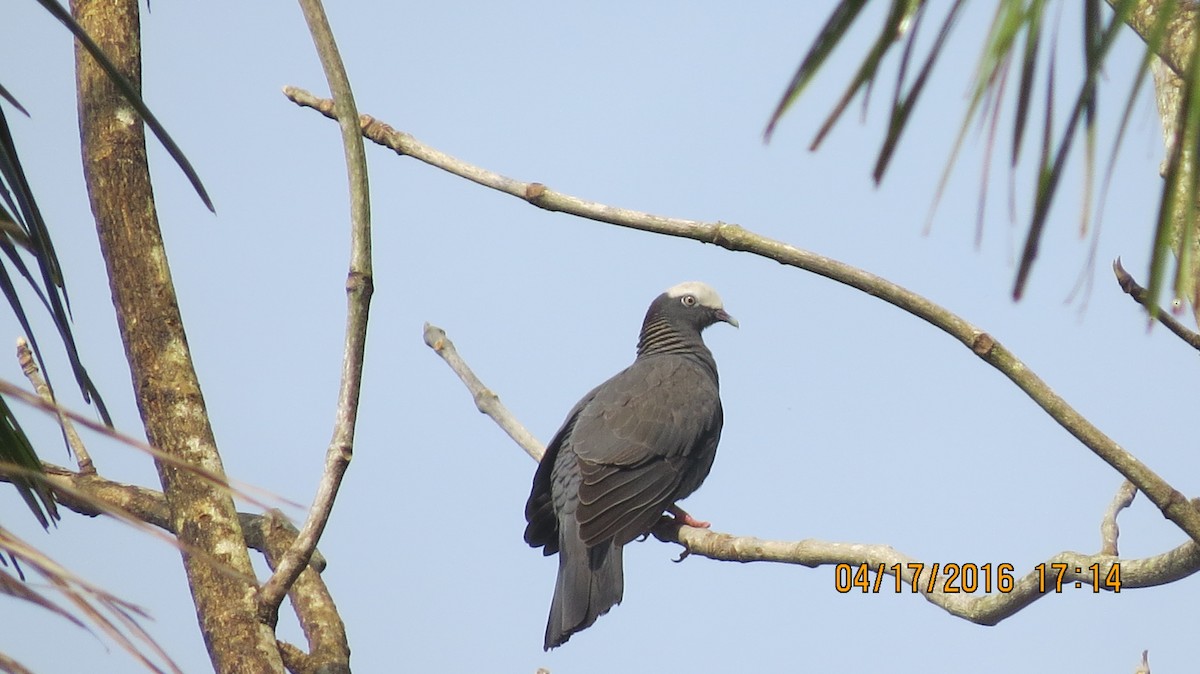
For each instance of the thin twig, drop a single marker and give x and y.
(34, 375)
(735, 238)
(1142, 297)
(241, 489)
(140, 507)
(1109, 531)
(359, 287)
(145, 510)
(485, 399)
(1009, 594)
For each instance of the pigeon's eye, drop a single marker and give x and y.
(688, 301)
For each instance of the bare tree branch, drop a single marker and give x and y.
(144, 509)
(87, 493)
(261, 528)
(270, 534)
(1109, 531)
(328, 645)
(1168, 567)
(242, 489)
(735, 238)
(92, 495)
(987, 609)
(359, 287)
(486, 400)
(1142, 297)
(1176, 49)
(34, 375)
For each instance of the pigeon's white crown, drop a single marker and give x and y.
(701, 291)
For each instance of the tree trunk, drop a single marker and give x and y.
(1173, 56)
(168, 393)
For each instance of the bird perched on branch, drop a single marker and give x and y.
(627, 451)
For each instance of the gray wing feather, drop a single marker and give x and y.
(644, 439)
(542, 528)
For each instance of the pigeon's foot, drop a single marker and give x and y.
(683, 517)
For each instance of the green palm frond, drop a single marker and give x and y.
(15, 450)
(12, 101)
(22, 226)
(131, 95)
(1018, 32)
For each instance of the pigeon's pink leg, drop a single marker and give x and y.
(683, 518)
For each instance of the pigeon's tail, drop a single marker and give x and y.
(590, 582)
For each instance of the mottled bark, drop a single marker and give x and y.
(1174, 54)
(1168, 87)
(328, 647)
(165, 384)
(1177, 44)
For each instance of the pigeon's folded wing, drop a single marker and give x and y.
(639, 438)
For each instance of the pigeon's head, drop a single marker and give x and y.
(692, 303)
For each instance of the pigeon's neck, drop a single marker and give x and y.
(660, 336)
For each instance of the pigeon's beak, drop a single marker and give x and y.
(722, 316)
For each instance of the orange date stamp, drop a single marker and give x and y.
(949, 578)
(969, 578)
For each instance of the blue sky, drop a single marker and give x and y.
(846, 419)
